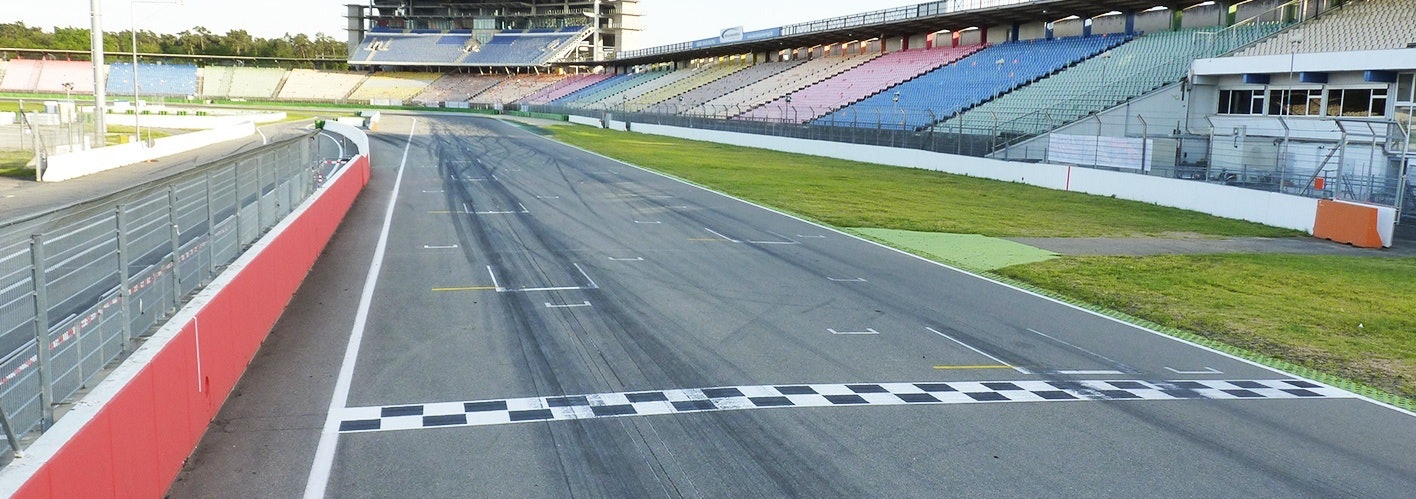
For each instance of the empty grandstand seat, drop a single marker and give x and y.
(255, 83)
(456, 87)
(309, 84)
(153, 79)
(392, 86)
(1129, 70)
(21, 75)
(53, 75)
(564, 87)
(1357, 25)
(781, 84)
(984, 75)
(515, 87)
(857, 83)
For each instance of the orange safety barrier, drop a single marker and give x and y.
(1356, 224)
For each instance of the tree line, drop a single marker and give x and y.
(197, 41)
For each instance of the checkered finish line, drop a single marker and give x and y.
(648, 403)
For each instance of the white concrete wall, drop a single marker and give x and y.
(192, 122)
(77, 164)
(1278, 210)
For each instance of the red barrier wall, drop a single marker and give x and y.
(135, 444)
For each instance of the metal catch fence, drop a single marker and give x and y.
(76, 285)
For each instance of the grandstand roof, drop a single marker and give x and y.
(901, 21)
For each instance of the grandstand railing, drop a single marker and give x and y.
(79, 284)
(929, 9)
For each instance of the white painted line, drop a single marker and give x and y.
(548, 197)
(1083, 350)
(523, 208)
(812, 237)
(966, 273)
(977, 351)
(470, 179)
(587, 277)
(572, 305)
(728, 239)
(1090, 372)
(498, 212)
(647, 223)
(868, 331)
(323, 464)
(535, 290)
(439, 191)
(784, 243)
(466, 208)
(494, 278)
(450, 246)
(1207, 370)
(856, 279)
(637, 259)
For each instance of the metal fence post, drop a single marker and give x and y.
(211, 232)
(176, 237)
(41, 331)
(236, 188)
(125, 291)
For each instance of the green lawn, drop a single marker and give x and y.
(1347, 316)
(12, 164)
(1350, 316)
(851, 194)
(31, 106)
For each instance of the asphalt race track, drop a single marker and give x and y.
(545, 322)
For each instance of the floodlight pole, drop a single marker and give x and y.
(133, 30)
(100, 98)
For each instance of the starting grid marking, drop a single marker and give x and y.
(648, 403)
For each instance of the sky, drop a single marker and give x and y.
(667, 21)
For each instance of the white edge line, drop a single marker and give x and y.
(977, 351)
(979, 277)
(323, 464)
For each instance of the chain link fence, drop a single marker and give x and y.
(1362, 160)
(78, 284)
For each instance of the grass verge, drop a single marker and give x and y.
(1296, 313)
(1349, 316)
(12, 164)
(852, 194)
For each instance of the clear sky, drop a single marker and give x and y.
(668, 21)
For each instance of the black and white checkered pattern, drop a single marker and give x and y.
(520, 410)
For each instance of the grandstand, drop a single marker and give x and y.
(564, 87)
(857, 83)
(972, 80)
(514, 89)
(457, 88)
(312, 85)
(1127, 71)
(165, 80)
(392, 86)
(488, 33)
(1362, 25)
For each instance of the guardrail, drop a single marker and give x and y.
(78, 285)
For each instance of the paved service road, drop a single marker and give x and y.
(549, 323)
